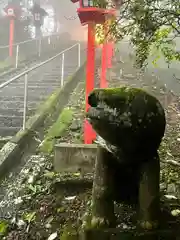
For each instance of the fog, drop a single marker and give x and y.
(68, 19)
(65, 16)
(169, 74)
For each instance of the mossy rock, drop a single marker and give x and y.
(56, 130)
(131, 121)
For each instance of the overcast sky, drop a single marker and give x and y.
(67, 12)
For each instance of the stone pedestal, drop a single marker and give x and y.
(72, 157)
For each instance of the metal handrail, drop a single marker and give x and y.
(35, 67)
(18, 46)
(19, 43)
(29, 40)
(26, 72)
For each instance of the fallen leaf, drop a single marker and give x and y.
(169, 154)
(76, 174)
(61, 209)
(18, 200)
(20, 223)
(49, 174)
(31, 179)
(170, 197)
(53, 236)
(3, 227)
(175, 212)
(70, 198)
(30, 217)
(49, 219)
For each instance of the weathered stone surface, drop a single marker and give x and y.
(73, 157)
(4, 140)
(5, 156)
(171, 188)
(132, 123)
(116, 234)
(76, 125)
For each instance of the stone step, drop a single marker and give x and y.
(42, 80)
(39, 85)
(32, 97)
(34, 87)
(11, 121)
(18, 104)
(15, 111)
(56, 76)
(31, 92)
(6, 131)
(46, 80)
(30, 62)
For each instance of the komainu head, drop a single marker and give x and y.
(128, 118)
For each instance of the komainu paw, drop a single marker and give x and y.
(99, 222)
(148, 225)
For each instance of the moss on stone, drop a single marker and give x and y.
(69, 233)
(129, 119)
(4, 140)
(105, 92)
(116, 96)
(51, 100)
(4, 64)
(56, 130)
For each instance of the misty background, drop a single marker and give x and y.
(62, 18)
(68, 19)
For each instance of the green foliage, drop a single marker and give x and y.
(3, 227)
(151, 25)
(29, 217)
(100, 3)
(99, 34)
(56, 130)
(68, 233)
(34, 188)
(114, 95)
(4, 64)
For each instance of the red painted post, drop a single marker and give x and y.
(89, 134)
(11, 37)
(90, 14)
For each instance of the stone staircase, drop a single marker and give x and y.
(32, 58)
(41, 83)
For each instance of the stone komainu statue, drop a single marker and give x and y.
(131, 123)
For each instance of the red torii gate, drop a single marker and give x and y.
(88, 14)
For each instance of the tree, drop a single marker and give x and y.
(152, 26)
